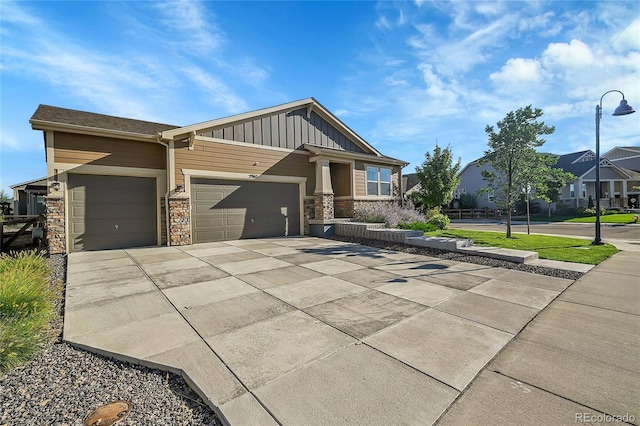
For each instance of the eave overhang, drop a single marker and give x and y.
(337, 154)
(93, 131)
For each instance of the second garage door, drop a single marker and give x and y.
(230, 210)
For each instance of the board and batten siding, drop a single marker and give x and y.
(74, 148)
(221, 157)
(286, 130)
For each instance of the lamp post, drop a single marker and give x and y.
(623, 109)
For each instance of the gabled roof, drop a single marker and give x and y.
(569, 163)
(412, 180)
(47, 117)
(634, 150)
(35, 182)
(309, 103)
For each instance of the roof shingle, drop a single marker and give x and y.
(53, 114)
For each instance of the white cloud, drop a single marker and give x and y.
(190, 30)
(216, 92)
(628, 38)
(518, 70)
(568, 57)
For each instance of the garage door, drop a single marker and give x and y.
(231, 210)
(107, 212)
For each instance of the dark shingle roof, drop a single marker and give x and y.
(412, 180)
(566, 163)
(99, 121)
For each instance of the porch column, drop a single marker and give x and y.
(323, 204)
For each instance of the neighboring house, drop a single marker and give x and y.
(117, 182)
(619, 180)
(627, 157)
(619, 186)
(410, 183)
(29, 197)
(471, 182)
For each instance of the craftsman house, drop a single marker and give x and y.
(286, 170)
(619, 179)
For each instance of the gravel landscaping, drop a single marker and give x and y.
(62, 384)
(460, 257)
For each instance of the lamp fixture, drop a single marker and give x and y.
(623, 109)
(56, 186)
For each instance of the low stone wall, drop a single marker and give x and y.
(375, 231)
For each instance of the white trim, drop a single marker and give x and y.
(64, 169)
(249, 145)
(92, 169)
(182, 132)
(380, 182)
(49, 138)
(208, 174)
(172, 166)
(376, 198)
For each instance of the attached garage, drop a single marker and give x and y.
(108, 212)
(229, 210)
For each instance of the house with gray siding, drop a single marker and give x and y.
(619, 180)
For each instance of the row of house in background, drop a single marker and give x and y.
(619, 180)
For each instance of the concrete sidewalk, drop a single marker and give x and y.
(576, 362)
(312, 331)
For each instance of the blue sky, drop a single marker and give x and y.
(403, 75)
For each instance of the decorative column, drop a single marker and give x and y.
(179, 220)
(323, 204)
(55, 223)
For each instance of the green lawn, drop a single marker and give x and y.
(609, 218)
(548, 247)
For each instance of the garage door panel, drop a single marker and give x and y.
(112, 212)
(246, 210)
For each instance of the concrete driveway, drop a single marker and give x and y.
(303, 330)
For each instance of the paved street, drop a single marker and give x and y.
(625, 237)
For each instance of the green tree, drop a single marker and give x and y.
(438, 177)
(541, 180)
(4, 197)
(512, 154)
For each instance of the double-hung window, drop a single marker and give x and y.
(378, 181)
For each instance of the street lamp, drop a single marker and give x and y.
(623, 109)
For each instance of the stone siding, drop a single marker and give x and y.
(179, 222)
(343, 208)
(55, 225)
(163, 221)
(324, 206)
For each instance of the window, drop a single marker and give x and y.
(378, 181)
(572, 191)
(584, 190)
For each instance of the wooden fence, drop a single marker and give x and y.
(473, 213)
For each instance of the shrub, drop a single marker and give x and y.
(388, 213)
(590, 202)
(26, 306)
(419, 226)
(440, 221)
(467, 201)
(589, 212)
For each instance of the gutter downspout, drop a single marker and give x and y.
(166, 195)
